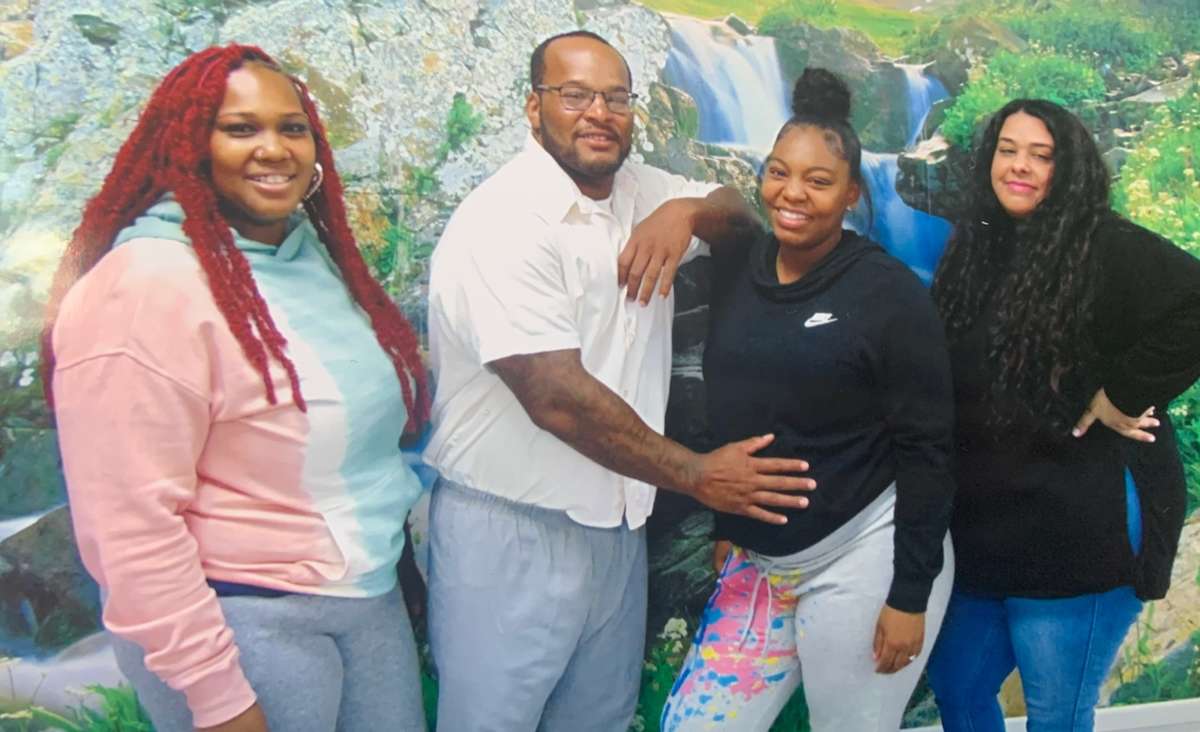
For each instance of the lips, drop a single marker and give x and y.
(1019, 187)
(791, 219)
(272, 183)
(597, 138)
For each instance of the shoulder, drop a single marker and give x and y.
(1129, 252)
(1117, 237)
(142, 291)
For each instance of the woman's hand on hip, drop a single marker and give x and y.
(899, 637)
(251, 720)
(1104, 410)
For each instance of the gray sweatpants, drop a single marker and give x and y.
(535, 622)
(317, 664)
(773, 621)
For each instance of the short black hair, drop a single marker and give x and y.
(537, 61)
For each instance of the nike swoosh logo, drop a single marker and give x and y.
(819, 319)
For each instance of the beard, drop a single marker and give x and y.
(569, 159)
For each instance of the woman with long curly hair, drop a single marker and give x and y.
(230, 387)
(1060, 314)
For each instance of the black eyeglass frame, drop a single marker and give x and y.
(628, 105)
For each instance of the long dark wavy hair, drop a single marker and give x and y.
(1036, 276)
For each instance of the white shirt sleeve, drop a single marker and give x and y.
(509, 295)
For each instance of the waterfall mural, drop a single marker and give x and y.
(423, 101)
(742, 99)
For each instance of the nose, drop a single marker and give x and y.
(270, 147)
(794, 190)
(598, 109)
(1021, 162)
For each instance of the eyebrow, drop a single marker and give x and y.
(252, 115)
(1047, 145)
(585, 85)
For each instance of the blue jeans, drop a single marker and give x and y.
(1063, 649)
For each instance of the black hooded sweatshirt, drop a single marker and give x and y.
(848, 368)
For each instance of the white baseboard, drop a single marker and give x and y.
(1172, 716)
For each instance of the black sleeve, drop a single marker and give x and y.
(1150, 297)
(920, 417)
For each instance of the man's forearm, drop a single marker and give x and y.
(723, 218)
(562, 398)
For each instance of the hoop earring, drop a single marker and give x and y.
(315, 184)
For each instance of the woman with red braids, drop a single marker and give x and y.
(230, 386)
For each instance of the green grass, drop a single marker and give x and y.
(1010, 76)
(118, 711)
(887, 27)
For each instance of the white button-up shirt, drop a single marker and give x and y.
(528, 264)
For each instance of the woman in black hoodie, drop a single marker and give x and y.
(821, 338)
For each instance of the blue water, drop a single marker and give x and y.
(743, 101)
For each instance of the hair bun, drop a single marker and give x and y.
(821, 93)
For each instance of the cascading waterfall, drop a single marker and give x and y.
(735, 80)
(743, 101)
(923, 92)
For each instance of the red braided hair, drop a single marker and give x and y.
(169, 151)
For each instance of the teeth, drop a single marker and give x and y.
(794, 216)
(272, 178)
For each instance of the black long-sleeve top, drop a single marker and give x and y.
(1044, 515)
(848, 368)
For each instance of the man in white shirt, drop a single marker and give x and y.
(552, 390)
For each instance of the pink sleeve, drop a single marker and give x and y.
(131, 433)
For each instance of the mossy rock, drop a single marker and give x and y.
(47, 598)
(30, 473)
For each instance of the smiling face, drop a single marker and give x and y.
(263, 153)
(589, 145)
(1023, 164)
(806, 189)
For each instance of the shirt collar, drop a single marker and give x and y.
(557, 196)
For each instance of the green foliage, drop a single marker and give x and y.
(1096, 32)
(1178, 20)
(396, 259)
(889, 29)
(119, 711)
(663, 661)
(1009, 76)
(1158, 189)
(822, 13)
(1175, 677)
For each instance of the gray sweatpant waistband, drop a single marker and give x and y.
(876, 513)
(547, 516)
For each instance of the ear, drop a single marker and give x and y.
(533, 113)
(852, 195)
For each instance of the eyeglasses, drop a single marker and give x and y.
(579, 98)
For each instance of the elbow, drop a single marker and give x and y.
(550, 417)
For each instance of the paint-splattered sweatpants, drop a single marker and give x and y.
(776, 621)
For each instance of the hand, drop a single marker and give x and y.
(899, 637)
(730, 480)
(1102, 409)
(251, 720)
(721, 549)
(655, 248)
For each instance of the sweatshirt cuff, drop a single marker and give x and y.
(219, 697)
(910, 596)
(1127, 400)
